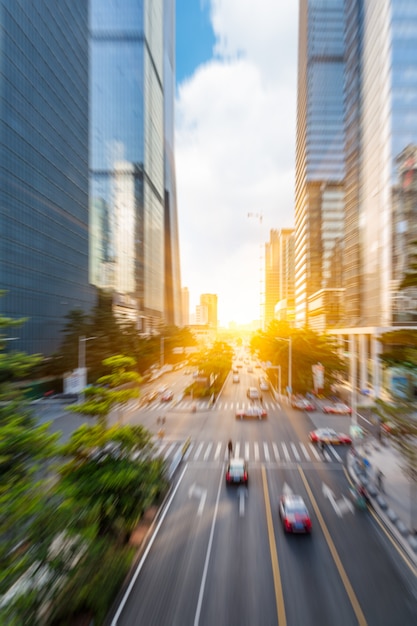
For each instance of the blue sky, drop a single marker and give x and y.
(234, 145)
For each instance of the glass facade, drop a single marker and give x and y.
(127, 221)
(43, 167)
(320, 146)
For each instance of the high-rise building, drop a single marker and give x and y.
(134, 238)
(381, 102)
(209, 300)
(279, 276)
(319, 192)
(43, 167)
(185, 306)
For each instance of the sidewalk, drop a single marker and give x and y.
(393, 501)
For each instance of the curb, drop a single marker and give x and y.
(388, 516)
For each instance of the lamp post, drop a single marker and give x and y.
(81, 359)
(289, 339)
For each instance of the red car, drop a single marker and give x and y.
(251, 412)
(303, 404)
(329, 436)
(294, 514)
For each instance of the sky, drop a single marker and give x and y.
(235, 121)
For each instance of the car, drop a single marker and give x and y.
(237, 472)
(250, 369)
(263, 385)
(338, 408)
(329, 436)
(167, 396)
(294, 514)
(236, 378)
(251, 412)
(253, 393)
(303, 404)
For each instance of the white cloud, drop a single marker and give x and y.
(235, 143)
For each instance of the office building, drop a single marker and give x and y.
(44, 167)
(320, 166)
(185, 306)
(209, 300)
(279, 276)
(134, 233)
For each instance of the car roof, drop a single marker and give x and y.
(291, 498)
(237, 461)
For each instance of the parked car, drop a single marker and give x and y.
(252, 412)
(237, 472)
(338, 408)
(294, 514)
(329, 436)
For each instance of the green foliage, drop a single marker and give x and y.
(93, 585)
(410, 276)
(399, 348)
(308, 349)
(111, 476)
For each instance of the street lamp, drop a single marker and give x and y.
(289, 339)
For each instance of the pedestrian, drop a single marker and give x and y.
(380, 481)
(230, 448)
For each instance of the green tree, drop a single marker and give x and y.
(113, 390)
(111, 477)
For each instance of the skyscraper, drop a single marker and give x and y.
(381, 88)
(279, 276)
(209, 300)
(134, 239)
(319, 192)
(44, 167)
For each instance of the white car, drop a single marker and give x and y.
(263, 385)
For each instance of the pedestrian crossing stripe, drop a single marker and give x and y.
(268, 452)
(202, 405)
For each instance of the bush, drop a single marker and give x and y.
(93, 585)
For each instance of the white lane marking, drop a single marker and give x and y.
(316, 454)
(286, 453)
(148, 547)
(247, 450)
(210, 543)
(256, 449)
(237, 449)
(304, 449)
(217, 453)
(335, 454)
(294, 449)
(170, 449)
(197, 452)
(276, 452)
(207, 452)
(266, 452)
(187, 454)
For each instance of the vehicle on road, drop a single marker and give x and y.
(252, 412)
(263, 385)
(167, 396)
(329, 436)
(237, 472)
(253, 393)
(302, 404)
(294, 514)
(236, 378)
(338, 408)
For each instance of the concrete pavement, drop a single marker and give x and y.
(393, 499)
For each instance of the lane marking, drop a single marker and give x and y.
(217, 454)
(295, 451)
(206, 562)
(247, 450)
(197, 452)
(342, 573)
(306, 454)
(266, 452)
(208, 450)
(145, 554)
(237, 450)
(279, 596)
(256, 451)
(276, 452)
(286, 453)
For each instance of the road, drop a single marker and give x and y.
(219, 554)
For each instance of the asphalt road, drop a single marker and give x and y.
(219, 555)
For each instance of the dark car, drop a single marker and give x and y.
(294, 514)
(237, 472)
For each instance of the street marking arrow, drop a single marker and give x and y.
(286, 490)
(340, 506)
(198, 492)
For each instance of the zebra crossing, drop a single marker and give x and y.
(253, 451)
(187, 404)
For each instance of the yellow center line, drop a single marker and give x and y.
(279, 596)
(346, 582)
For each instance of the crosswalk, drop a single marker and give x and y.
(252, 451)
(187, 404)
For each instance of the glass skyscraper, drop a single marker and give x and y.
(134, 242)
(43, 167)
(320, 160)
